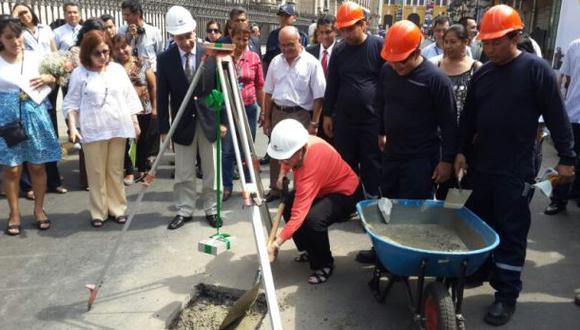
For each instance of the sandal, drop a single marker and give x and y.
(302, 257)
(97, 223)
(43, 224)
(29, 195)
(13, 230)
(321, 275)
(120, 219)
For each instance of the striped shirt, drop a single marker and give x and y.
(250, 75)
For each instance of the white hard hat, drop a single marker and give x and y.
(288, 136)
(178, 21)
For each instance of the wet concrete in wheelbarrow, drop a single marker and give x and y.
(210, 305)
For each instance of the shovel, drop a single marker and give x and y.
(246, 301)
(456, 197)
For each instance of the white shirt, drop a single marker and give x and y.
(66, 36)
(571, 67)
(105, 102)
(40, 40)
(149, 44)
(328, 50)
(296, 85)
(11, 73)
(192, 58)
(432, 50)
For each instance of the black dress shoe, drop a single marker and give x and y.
(178, 221)
(212, 220)
(265, 160)
(499, 313)
(554, 208)
(367, 256)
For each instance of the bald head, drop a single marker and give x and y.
(289, 41)
(288, 32)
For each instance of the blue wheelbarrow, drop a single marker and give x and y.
(423, 239)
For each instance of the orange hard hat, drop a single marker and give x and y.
(401, 40)
(498, 21)
(349, 13)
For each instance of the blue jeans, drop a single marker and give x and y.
(228, 155)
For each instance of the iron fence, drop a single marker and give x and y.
(262, 14)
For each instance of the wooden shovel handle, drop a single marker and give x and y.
(276, 223)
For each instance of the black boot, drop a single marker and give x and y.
(367, 256)
(499, 313)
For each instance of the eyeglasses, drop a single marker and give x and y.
(100, 53)
(213, 31)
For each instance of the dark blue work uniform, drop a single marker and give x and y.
(419, 118)
(273, 47)
(351, 100)
(499, 124)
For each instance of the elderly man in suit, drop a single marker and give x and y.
(197, 128)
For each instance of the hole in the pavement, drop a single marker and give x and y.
(209, 306)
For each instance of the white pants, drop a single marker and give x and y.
(184, 187)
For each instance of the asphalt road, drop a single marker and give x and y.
(42, 274)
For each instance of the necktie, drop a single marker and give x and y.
(188, 70)
(324, 61)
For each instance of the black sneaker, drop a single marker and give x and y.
(554, 208)
(366, 256)
(499, 313)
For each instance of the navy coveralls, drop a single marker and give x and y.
(351, 100)
(419, 118)
(499, 124)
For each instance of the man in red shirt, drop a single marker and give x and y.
(326, 191)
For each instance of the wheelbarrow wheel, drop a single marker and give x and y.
(438, 308)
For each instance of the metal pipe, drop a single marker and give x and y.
(267, 278)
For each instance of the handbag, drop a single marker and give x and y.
(14, 133)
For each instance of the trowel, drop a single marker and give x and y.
(547, 181)
(456, 197)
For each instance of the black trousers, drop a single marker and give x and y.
(358, 146)
(563, 192)
(312, 236)
(144, 143)
(409, 178)
(502, 202)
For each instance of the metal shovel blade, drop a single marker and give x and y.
(242, 305)
(456, 198)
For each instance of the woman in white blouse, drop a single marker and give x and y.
(102, 102)
(37, 37)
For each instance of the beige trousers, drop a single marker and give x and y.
(278, 115)
(104, 165)
(184, 187)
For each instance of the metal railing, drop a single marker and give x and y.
(262, 14)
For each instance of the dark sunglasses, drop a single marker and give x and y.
(213, 31)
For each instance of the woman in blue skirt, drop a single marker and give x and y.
(41, 146)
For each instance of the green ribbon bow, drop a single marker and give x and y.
(215, 100)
